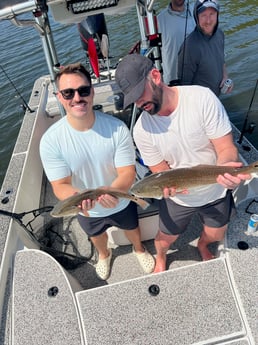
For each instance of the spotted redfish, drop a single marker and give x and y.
(185, 178)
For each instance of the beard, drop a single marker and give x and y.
(156, 101)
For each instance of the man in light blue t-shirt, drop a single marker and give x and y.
(89, 149)
(175, 22)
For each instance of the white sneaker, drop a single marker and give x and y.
(103, 267)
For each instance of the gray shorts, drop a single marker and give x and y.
(174, 218)
(126, 219)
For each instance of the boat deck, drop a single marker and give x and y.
(193, 302)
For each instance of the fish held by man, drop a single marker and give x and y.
(182, 179)
(70, 206)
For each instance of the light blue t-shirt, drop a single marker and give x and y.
(173, 27)
(90, 157)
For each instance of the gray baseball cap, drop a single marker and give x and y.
(201, 5)
(131, 74)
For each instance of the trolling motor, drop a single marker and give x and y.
(94, 39)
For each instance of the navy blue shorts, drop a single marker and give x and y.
(127, 219)
(174, 218)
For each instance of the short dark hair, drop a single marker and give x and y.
(75, 68)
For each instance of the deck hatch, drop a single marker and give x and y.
(194, 305)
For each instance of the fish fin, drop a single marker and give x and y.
(201, 166)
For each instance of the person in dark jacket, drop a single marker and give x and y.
(201, 59)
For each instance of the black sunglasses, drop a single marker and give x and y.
(83, 91)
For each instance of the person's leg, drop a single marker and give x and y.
(96, 230)
(134, 237)
(105, 255)
(100, 243)
(215, 217)
(162, 243)
(210, 235)
(173, 220)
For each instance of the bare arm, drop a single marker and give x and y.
(63, 188)
(225, 149)
(125, 178)
(227, 154)
(123, 182)
(162, 166)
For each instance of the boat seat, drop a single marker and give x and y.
(148, 223)
(44, 309)
(201, 309)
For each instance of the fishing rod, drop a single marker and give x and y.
(247, 114)
(25, 104)
(184, 43)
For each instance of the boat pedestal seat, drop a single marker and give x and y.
(189, 305)
(149, 227)
(148, 223)
(44, 309)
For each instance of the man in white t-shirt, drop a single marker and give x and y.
(181, 126)
(89, 149)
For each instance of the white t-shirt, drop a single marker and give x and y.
(90, 157)
(182, 139)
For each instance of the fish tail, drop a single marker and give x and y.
(143, 203)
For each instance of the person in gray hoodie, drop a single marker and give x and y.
(201, 57)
